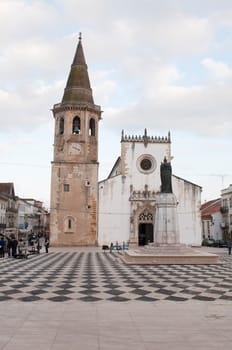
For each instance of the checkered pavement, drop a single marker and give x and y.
(92, 276)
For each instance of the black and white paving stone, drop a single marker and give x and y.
(95, 275)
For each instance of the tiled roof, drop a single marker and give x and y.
(211, 207)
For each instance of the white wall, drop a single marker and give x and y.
(114, 211)
(188, 210)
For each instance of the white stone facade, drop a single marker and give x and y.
(226, 225)
(127, 198)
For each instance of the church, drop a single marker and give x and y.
(121, 208)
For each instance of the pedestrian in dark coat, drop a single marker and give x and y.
(14, 244)
(229, 245)
(46, 244)
(2, 247)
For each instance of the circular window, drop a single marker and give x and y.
(146, 163)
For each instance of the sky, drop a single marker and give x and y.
(161, 65)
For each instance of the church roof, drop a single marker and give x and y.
(116, 170)
(186, 181)
(78, 89)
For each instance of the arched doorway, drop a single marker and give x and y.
(145, 234)
(145, 228)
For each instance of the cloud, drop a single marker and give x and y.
(28, 108)
(204, 110)
(23, 18)
(218, 70)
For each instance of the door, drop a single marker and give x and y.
(145, 234)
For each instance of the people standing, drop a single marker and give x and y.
(14, 245)
(38, 245)
(9, 246)
(2, 247)
(46, 244)
(229, 245)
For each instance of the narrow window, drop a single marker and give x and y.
(66, 188)
(76, 126)
(61, 126)
(224, 203)
(208, 229)
(92, 127)
(69, 224)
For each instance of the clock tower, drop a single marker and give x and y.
(74, 179)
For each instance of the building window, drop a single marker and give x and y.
(230, 219)
(61, 126)
(230, 202)
(69, 224)
(203, 227)
(208, 229)
(146, 163)
(66, 188)
(224, 203)
(76, 126)
(146, 216)
(92, 127)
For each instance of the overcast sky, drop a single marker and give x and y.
(161, 65)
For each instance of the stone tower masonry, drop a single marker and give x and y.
(74, 179)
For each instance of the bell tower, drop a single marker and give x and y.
(74, 178)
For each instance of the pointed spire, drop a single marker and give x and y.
(79, 57)
(78, 87)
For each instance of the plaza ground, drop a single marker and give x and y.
(86, 299)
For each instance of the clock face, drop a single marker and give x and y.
(74, 148)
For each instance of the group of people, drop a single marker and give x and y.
(14, 248)
(8, 245)
(117, 246)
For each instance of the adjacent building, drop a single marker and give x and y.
(21, 216)
(11, 218)
(32, 217)
(226, 210)
(3, 206)
(211, 217)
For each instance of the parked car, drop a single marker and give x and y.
(208, 242)
(220, 243)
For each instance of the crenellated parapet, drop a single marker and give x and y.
(145, 138)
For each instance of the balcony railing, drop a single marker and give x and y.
(224, 210)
